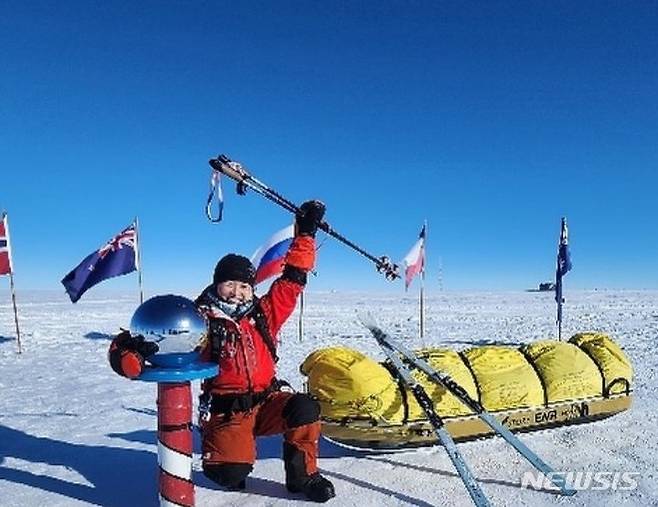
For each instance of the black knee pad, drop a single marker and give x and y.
(301, 409)
(229, 475)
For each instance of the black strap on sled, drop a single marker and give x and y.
(464, 359)
(618, 380)
(401, 388)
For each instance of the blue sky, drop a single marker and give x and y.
(489, 119)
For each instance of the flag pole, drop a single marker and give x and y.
(138, 259)
(558, 299)
(422, 310)
(301, 317)
(13, 301)
(5, 222)
(422, 286)
(562, 268)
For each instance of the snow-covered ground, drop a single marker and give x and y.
(74, 433)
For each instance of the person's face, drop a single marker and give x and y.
(235, 292)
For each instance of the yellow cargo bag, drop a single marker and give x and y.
(504, 378)
(613, 363)
(446, 404)
(566, 371)
(349, 384)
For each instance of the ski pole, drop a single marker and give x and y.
(244, 179)
(404, 374)
(460, 393)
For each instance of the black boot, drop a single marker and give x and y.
(239, 486)
(229, 475)
(316, 488)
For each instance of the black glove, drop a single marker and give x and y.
(137, 343)
(308, 218)
(127, 354)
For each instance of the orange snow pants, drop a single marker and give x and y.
(232, 439)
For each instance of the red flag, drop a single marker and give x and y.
(414, 262)
(5, 247)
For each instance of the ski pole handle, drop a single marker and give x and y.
(232, 170)
(244, 179)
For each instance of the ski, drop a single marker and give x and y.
(392, 348)
(470, 482)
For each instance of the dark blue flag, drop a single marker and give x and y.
(117, 257)
(563, 267)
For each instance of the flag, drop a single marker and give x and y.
(117, 257)
(564, 264)
(414, 261)
(269, 258)
(5, 247)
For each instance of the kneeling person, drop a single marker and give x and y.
(244, 401)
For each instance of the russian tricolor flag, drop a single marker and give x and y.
(414, 261)
(269, 258)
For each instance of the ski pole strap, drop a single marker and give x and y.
(216, 192)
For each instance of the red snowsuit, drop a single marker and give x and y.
(244, 403)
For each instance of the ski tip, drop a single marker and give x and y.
(366, 319)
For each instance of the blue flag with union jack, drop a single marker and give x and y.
(117, 257)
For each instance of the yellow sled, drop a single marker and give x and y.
(539, 385)
(370, 435)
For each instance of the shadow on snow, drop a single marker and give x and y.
(94, 335)
(121, 476)
(118, 476)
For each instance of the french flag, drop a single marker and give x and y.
(414, 261)
(268, 259)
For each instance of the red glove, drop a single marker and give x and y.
(127, 354)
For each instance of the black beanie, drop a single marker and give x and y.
(234, 267)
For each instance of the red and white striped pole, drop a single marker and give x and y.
(175, 444)
(175, 324)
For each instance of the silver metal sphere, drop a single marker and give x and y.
(173, 322)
